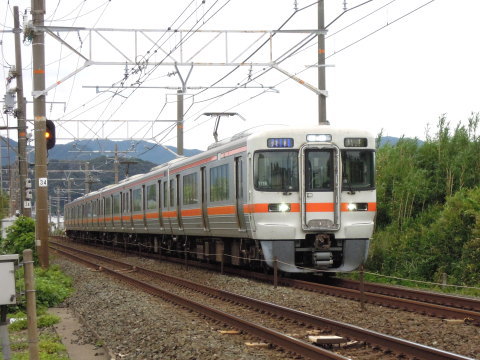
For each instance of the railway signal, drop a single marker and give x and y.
(50, 134)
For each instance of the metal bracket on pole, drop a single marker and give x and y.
(301, 82)
(184, 82)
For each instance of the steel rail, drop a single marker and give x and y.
(274, 337)
(414, 294)
(394, 344)
(440, 311)
(439, 308)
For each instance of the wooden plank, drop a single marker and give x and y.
(261, 345)
(327, 339)
(229, 332)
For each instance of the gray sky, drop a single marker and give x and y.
(399, 79)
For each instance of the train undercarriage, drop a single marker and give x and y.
(315, 252)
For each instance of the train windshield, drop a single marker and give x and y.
(358, 170)
(276, 170)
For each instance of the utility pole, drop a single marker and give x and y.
(21, 114)
(69, 189)
(39, 115)
(88, 181)
(322, 96)
(180, 121)
(115, 164)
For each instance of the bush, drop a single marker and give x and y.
(52, 286)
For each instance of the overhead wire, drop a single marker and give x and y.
(183, 40)
(108, 99)
(300, 49)
(306, 68)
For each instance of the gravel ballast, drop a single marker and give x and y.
(134, 325)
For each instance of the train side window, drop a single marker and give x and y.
(190, 189)
(116, 204)
(172, 192)
(137, 199)
(108, 206)
(165, 194)
(219, 183)
(151, 197)
(159, 194)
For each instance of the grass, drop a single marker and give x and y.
(50, 345)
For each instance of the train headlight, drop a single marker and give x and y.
(357, 207)
(282, 207)
(319, 137)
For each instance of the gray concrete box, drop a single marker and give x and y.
(7, 279)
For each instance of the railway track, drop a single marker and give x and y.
(429, 303)
(395, 299)
(413, 294)
(289, 343)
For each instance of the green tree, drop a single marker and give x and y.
(428, 199)
(4, 199)
(20, 236)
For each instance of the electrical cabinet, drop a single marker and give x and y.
(7, 279)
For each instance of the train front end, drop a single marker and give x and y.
(315, 194)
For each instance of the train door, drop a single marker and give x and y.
(166, 205)
(203, 171)
(122, 208)
(159, 205)
(179, 207)
(239, 193)
(144, 206)
(320, 196)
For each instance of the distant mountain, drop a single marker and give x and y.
(90, 149)
(394, 140)
(100, 174)
(8, 148)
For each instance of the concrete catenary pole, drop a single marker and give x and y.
(69, 189)
(21, 117)
(115, 164)
(88, 180)
(180, 122)
(322, 97)
(39, 115)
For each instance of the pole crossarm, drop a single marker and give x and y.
(211, 47)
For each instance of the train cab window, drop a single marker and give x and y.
(275, 170)
(219, 183)
(190, 192)
(358, 170)
(116, 204)
(137, 200)
(151, 197)
(319, 170)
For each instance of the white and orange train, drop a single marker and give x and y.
(305, 196)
